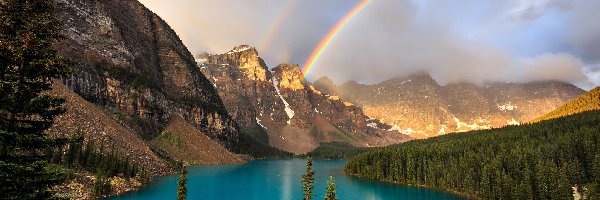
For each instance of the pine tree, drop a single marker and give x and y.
(308, 180)
(330, 190)
(28, 64)
(182, 184)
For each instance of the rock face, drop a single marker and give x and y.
(422, 108)
(130, 60)
(281, 109)
(83, 117)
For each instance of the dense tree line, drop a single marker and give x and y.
(588, 101)
(534, 161)
(102, 162)
(248, 144)
(336, 151)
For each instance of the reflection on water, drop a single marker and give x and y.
(276, 179)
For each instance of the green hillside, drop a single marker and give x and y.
(535, 161)
(585, 102)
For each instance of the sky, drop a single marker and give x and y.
(475, 41)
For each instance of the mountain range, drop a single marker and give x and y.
(420, 107)
(283, 110)
(136, 87)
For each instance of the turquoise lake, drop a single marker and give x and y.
(276, 179)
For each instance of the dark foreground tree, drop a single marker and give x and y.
(330, 190)
(182, 184)
(27, 66)
(308, 180)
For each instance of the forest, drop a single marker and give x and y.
(544, 160)
(336, 151)
(588, 101)
(101, 162)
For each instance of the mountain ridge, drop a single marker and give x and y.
(586, 102)
(283, 109)
(421, 107)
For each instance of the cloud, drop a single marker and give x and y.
(473, 41)
(559, 67)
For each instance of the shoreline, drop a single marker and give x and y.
(453, 192)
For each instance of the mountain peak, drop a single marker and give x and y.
(290, 76)
(326, 85)
(324, 80)
(242, 48)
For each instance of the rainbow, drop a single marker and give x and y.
(267, 38)
(314, 57)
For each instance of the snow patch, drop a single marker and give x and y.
(239, 49)
(473, 126)
(405, 132)
(507, 106)
(202, 61)
(403, 82)
(396, 128)
(513, 122)
(372, 125)
(258, 122)
(442, 131)
(288, 110)
(317, 111)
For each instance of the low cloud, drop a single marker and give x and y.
(559, 67)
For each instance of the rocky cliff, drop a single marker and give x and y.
(283, 110)
(129, 60)
(418, 106)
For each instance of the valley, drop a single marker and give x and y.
(107, 99)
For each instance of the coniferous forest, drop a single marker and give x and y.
(534, 161)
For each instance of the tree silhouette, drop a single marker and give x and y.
(182, 184)
(28, 64)
(308, 180)
(330, 190)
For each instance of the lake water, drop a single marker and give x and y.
(276, 179)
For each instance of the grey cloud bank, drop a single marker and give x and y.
(473, 41)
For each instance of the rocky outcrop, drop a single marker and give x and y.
(283, 110)
(183, 142)
(418, 106)
(130, 60)
(83, 117)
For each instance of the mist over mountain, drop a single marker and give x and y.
(471, 41)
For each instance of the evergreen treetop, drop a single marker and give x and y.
(308, 180)
(330, 190)
(182, 184)
(28, 29)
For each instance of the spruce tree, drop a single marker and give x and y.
(28, 64)
(330, 190)
(182, 184)
(308, 180)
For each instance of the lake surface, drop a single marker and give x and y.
(276, 179)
